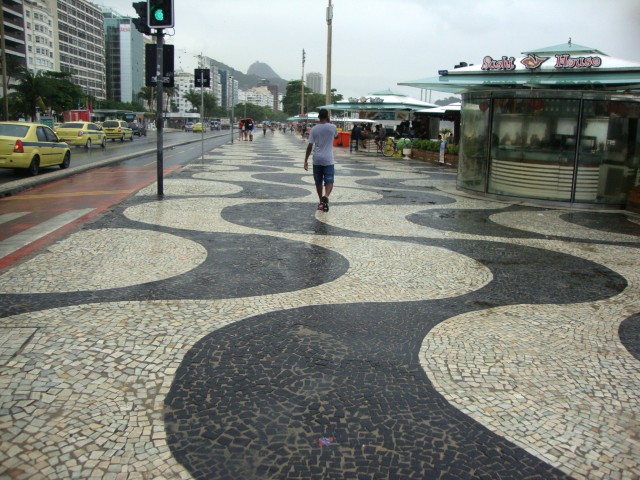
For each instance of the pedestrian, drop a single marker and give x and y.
(356, 136)
(264, 129)
(321, 143)
(380, 137)
(248, 129)
(241, 129)
(443, 149)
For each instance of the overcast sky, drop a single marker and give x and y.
(378, 43)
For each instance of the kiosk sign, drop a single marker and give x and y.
(505, 63)
(532, 62)
(564, 60)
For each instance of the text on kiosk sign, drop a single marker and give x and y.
(531, 62)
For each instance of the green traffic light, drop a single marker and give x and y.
(160, 13)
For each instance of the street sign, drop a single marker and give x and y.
(48, 121)
(202, 77)
(151, 65)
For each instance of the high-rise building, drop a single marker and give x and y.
(216, 86)
(14, 35)
(315, 81)
(41, 35)
(124, 59)
(229, 89)
(81, 42)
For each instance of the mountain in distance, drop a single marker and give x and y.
(262, 70)
(255, 73)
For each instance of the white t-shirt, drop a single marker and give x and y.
(321, 137)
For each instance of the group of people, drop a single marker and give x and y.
(360, 133)
(246, 128)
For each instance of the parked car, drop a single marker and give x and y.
(188, 127)
(199, 127)
(117, 129)
(31, 146)
(138, 129)
(82, 134)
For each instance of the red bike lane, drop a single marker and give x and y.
(35, 218)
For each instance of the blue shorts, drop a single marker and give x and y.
(323, 172)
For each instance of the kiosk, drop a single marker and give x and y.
(559, 124)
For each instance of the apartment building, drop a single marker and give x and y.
(258, 96)
(14, 34)
(41, 35)
(81, 43)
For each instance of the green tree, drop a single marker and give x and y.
(61, 94)
(29, 92)
(335, 96)
(258, 113)
(291, 99)
(148, 95)
(210, 102)
(447, 101)
(44, 91)
(169, 92)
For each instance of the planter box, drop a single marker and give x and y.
(633, 200)
(434, 157)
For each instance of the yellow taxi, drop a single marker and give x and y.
(82, 134)
(199, 127)
(117, 129)
(31, 146)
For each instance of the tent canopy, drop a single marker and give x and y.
(384, 101)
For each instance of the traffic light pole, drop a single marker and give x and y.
(159, 119)
(202, 110)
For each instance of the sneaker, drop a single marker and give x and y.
(321, 207)
(325, 204)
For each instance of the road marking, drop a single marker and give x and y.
(19, 240)
(68, 194)
(10, 217)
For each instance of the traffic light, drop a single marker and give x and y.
(160, 13)
(141, 22)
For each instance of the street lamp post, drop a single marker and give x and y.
(329, 30)
(232, 102)
(302, 85)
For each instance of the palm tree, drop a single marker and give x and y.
(170, 92)
(30, 92)
(147, 94)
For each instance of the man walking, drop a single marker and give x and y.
(321, 142)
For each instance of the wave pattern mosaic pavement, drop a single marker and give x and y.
(409, 332)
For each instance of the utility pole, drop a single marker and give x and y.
(329, 31)
(302, 85)
(232, 97)
(201, 65)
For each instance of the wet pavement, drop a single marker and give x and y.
(231, 330)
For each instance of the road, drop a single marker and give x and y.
(116, 150)
(35, 211)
